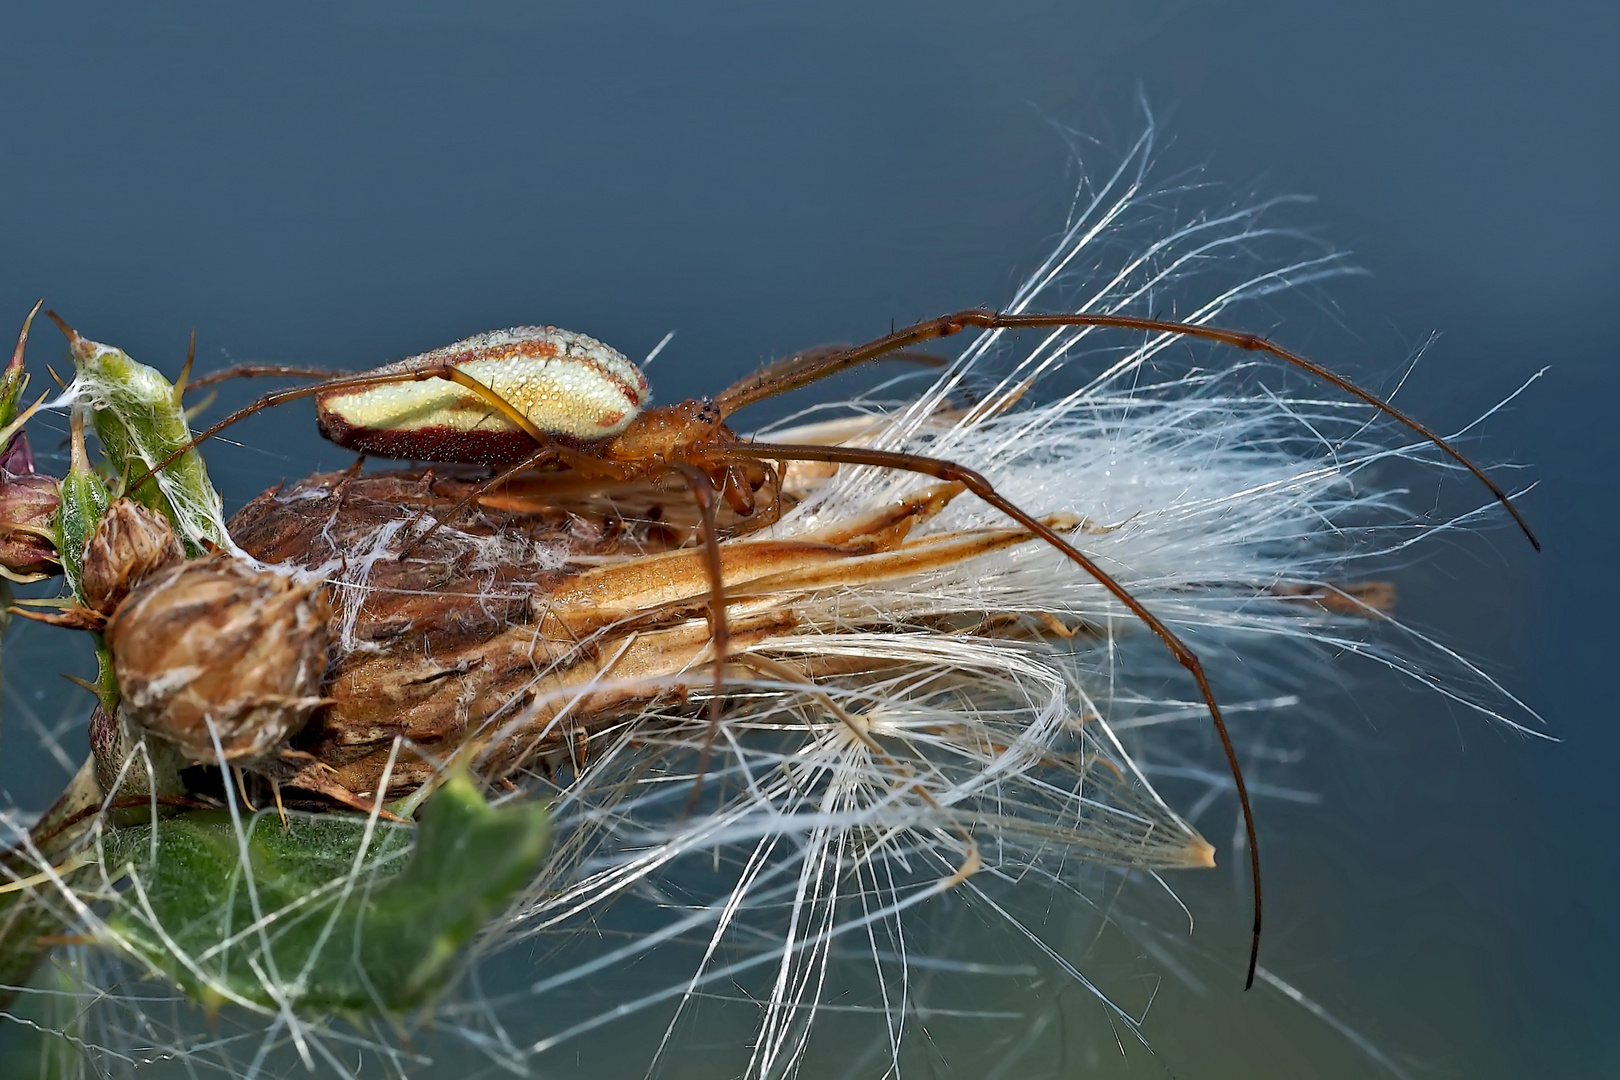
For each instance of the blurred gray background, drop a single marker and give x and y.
(341, 187)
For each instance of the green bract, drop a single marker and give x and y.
(12, 379)
(84, 499)
(140, 421)
(328, 914)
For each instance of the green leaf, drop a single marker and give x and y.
(328, 917)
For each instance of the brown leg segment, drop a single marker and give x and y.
(254, 371)
(719, 625)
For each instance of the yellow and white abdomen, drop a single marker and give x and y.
(567, 385)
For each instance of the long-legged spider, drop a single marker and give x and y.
(531, 396)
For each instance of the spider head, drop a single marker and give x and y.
(671, 433)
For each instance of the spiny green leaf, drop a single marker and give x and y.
(342, 922)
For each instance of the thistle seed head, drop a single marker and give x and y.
(215, 642)
(129, 543)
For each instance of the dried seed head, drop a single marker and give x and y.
(28, 523)
(129, 543)
(216, 641)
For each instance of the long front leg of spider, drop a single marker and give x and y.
(446, 372)
(257, 371)
(719, 624)
(976, 483)
(765, 384)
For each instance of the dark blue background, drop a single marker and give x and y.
(343, 187)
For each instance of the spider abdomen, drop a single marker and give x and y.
(568, 385)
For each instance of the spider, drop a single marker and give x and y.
(530, 396)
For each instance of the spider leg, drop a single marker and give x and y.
(976, 483)
(268, 401)
(251, 371)
(814, 358)
(448, 372)
(719, 626)
(773, 482)
(768, 383)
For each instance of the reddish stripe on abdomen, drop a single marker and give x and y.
(478, 446)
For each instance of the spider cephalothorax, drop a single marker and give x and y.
(689, 434)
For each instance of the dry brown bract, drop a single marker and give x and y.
(129, 544)
(514, 636)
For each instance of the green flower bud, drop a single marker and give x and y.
(84, 498)
(140, 422)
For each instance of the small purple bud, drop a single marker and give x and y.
(17, 459)
(28, 523)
